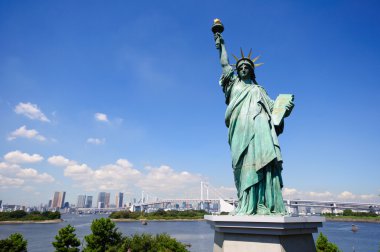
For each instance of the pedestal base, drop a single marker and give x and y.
(264, 233)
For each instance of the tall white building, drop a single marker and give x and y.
(89, 202)
(81, 203)
(119, 200)
(107, 200)
(58, 199)
(101, 200)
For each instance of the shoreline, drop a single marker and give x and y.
(31, 221)
(156, 220)
(173, 220)
(187, 220)
(352, 219)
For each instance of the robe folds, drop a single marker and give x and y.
(255, 151)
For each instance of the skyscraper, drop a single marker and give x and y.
(58, 199)
(119, 200)
(55, 200)
(61, 199)
(107, 200)
(81, 203)
(101, 200)
(89, 202)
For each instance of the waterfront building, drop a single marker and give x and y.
(107, 200)
(89, 202)
(81, 203)
(55, 200)
(58, 199)
(101, 200)
(119, 200)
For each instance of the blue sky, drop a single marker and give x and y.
(124, 96)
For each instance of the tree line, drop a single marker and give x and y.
(21, 215)
(105, 237)
(159, 214)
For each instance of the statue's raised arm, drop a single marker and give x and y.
(219, 44)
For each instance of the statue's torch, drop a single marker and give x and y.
(217, 29)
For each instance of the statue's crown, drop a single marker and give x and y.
(246, 60)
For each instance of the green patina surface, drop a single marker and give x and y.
(254, 122)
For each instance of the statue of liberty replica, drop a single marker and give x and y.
(254, 123)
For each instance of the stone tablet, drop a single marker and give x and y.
(279, 107)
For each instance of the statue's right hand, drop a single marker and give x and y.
(218, 40)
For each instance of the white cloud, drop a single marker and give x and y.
(165, 180)
(346, 195)
(34, 176)
(101, 117)
(96, 141)
(116, 176)
(15, 175)
(288, 192)
(122, 175)
(6, 168)
(291, 193)
(31, 111)
(26, 133)
(325, 194)
(368, 196)
(19, 157)
(78, 172)
(60, 161)
(6, 182)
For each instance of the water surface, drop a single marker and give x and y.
(197, 233)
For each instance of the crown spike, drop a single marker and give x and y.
(236, 58)
(249, 55)
(259, 64)
(255, 59)
(241, 51)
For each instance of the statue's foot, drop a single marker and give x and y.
(263, 210)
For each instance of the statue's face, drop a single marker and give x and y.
(244, 71)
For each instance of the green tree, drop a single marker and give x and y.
(104, 236)
(323, 245)
(149, 243)
(66, 240)
(347, 212)
(17, 214)
(14, 243)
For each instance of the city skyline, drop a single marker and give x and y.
(124, 97)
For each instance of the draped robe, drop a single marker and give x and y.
(255, 151)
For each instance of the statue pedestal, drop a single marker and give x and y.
(264, 233)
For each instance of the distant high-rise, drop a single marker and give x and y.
(89, 202)
(101, 200)
(81, 203)
(58, 199)
(107, 200)
(55, 200)
(119, 200)
(61, 198)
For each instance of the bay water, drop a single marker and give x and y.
(197, 233)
